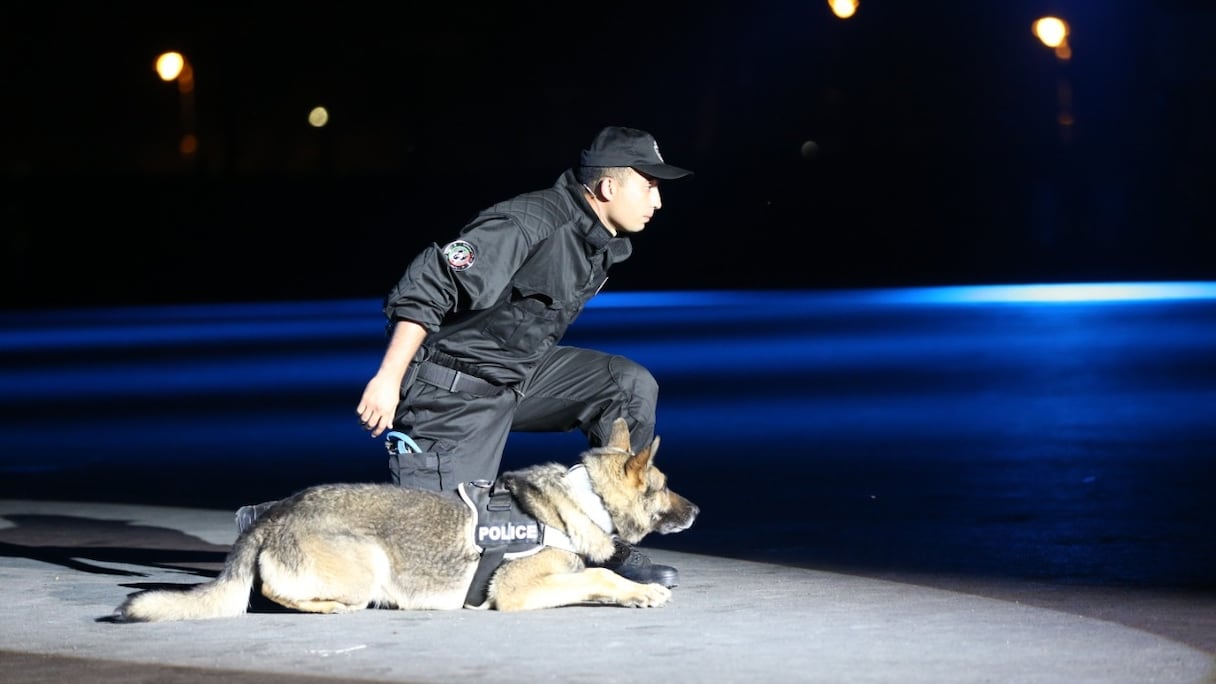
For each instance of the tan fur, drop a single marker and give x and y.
(338, 548)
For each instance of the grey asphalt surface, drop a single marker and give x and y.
(730, 621)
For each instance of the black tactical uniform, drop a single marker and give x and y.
(495, 302)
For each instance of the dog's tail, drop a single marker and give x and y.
(225, 596)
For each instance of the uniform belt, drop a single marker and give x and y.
(453, 380)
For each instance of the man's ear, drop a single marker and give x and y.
(606, 188)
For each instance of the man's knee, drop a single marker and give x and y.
(639, 394)
(635, 380)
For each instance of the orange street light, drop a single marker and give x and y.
(172, 66)
(1053, 31)
(843, 8)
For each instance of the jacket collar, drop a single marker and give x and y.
(594, 232)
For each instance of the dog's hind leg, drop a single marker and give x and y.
(326, 575)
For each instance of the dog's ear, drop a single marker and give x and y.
(620, 436)
(639, 463)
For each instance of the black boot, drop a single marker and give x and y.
(634, 565)
(245, 515)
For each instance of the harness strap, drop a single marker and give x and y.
(500, 497)
(579, 481)
(491, 557)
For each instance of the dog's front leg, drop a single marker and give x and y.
(592, 585)
(555, 578)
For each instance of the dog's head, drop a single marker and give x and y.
(634, 491)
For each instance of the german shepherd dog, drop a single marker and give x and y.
(338, 548)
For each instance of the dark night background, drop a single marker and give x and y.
(939, 158)
(951, 436)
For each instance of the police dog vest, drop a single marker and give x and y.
(503, 531)
(501, 524)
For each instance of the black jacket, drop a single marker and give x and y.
(511, 283)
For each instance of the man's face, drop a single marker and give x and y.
(633, 202)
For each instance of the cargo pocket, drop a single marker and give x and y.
(431, 470)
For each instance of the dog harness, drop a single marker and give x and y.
(505, 532)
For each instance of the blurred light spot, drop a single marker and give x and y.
(188, 145)
(843, 8)
(169, 65)
(1051, 30)
(318, 117)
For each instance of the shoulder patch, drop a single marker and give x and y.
(459, 254)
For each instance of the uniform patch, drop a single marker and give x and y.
(459, 255)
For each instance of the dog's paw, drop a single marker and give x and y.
(647, 596)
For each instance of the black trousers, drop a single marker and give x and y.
(462, 436)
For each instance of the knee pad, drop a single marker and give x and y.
(634, 379)
(640, 397)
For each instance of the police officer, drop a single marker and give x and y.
(475, 325)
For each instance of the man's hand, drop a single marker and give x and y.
(378, 407)
(379, 404)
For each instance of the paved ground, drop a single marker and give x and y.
(731, 621)
(897, 486)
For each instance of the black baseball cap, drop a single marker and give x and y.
(621, 146)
